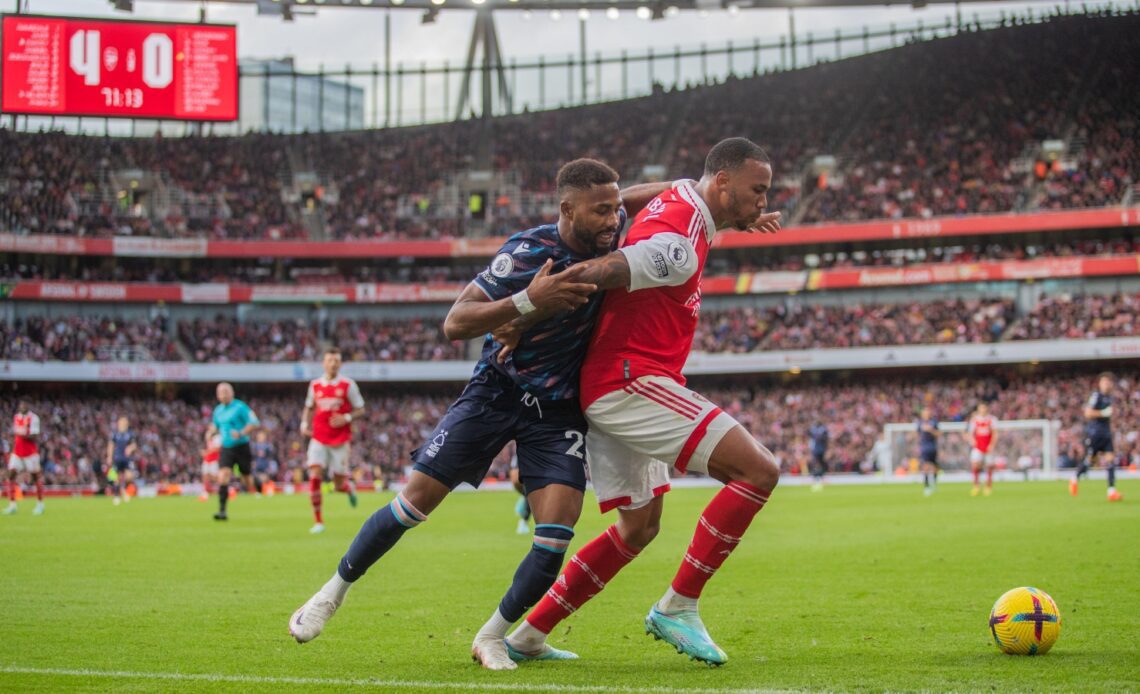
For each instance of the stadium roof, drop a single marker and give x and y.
(274, 6)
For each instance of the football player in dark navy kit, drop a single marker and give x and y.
(1098, 436)
(928, 450)
(527, 393)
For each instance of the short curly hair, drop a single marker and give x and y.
(583, 174)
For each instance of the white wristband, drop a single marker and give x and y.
(348, 418)
(523, 303)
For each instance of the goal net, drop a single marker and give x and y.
(1023, 445)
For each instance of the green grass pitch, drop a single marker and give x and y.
(867, 588)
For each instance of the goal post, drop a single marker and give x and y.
(1023, 445)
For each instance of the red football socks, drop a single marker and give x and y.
(718, 532)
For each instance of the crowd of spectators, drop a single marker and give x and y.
(799, 326)
(170, 430)
(905, 146)
(82, 338)
(787, 325)
(417, 339)
(225, 339)
(1080, 316)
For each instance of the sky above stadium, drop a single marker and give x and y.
(336, 36)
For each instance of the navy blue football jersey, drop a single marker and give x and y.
(1100, 425)
(549, 355)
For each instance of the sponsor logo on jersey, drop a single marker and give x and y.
(659, 267)
(502, 265)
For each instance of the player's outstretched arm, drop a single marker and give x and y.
(474, 314)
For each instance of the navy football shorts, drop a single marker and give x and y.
(550, 436)
(1098, 443)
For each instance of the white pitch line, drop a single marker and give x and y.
(376, 683)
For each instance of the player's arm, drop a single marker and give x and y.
(307, 413)
(131, 448)
(475, 313)
(110, 451)
(357, 401)
(636, 197)
(252, 424)
(665, 259)
(211, 432)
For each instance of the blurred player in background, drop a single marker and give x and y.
(121, 448)
(233, 421)
(264, 459)
(1098, 436)
(331, 404)
(819, 439)
(983, 437)
(25, 456)
(642, 418)
(211, 454)
(528, 395)
(928, 449)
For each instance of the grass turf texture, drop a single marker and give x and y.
(854, 589)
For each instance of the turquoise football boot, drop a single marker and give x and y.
(547, 652)
(685, 632)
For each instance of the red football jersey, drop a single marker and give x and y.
(24, 426)
(983, 430)
(328, 398)
(213, 450)
(650, 331)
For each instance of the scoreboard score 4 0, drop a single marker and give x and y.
(66, 66)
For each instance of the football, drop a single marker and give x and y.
(1025, 621)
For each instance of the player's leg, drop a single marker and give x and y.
(378, 534)
(586, 574)
(1083, 468)
(127, 477)
(225, 472)
(1109, 458)
(13, 473)
(556, 511)
(342, 478)
(316, 478)
(989, 464)
(976, 458)
(750, 474)
(551, 456)
(460, 449)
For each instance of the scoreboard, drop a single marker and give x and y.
(66, 66)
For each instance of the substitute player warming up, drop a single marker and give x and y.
(333, 402)
(25, 456)
(642, 417)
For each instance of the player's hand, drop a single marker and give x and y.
(338, 420)
(235, 435)
(768, 223)
(561, 292)
(507, 335)
(305, 430)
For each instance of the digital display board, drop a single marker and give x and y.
(66, 66)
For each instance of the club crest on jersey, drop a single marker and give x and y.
(436, 444)
(677, 254)
(502, 265)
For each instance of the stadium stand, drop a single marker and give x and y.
(904, 146)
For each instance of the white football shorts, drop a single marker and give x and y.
(26, 463)
(978, 457)
(331, 458)
(639, 432)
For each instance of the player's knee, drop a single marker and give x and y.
(762, 469)
(638, 533)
